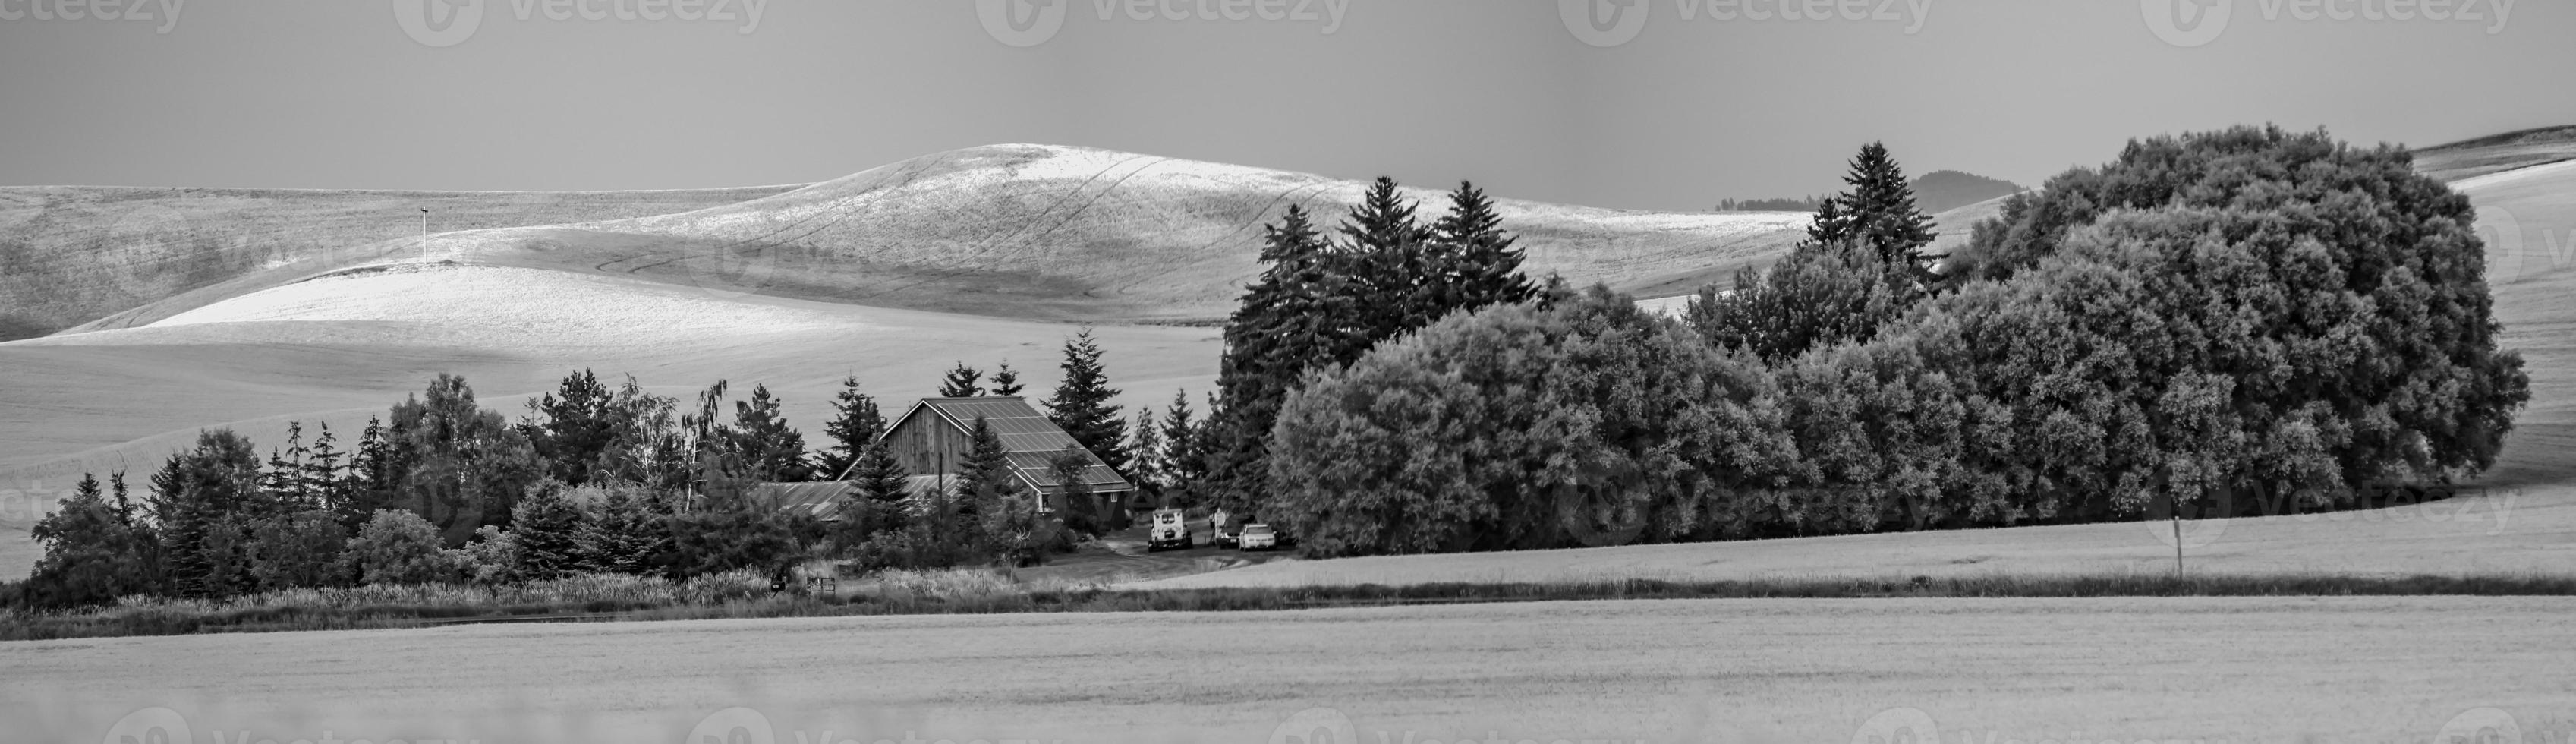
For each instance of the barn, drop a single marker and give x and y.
(933, 436)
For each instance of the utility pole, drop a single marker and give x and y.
(2177, 530)
(424, 233)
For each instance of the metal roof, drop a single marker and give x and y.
(1032, 440)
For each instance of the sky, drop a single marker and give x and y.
(1647, 104)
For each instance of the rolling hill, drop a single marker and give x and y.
(1023, 231)
(73, 254)
(338, 309)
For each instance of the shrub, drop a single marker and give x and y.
(1519, 427)
(299, 549)
(399, 547)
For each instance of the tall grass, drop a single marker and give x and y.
(981, 591)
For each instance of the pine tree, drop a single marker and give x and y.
(855, 427)
(322, 476)
(1481, 267)
(1081, 404)
(771, 450)
(1185, 444)
(201, 497)
(880, 476)
(555, 534)
(369, 481)
(962, 383)
(1145, 454)
(575, 424)
(1006, 381)
(1878, 211)
(1384, 250)
(984, 476)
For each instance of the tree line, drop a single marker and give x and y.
(2242, 308)
(594, 477)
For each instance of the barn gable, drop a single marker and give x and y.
(933, 437)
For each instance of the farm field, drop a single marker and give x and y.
(2237, 670)
(2503, 531)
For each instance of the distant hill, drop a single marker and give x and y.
(1934, 192)
(1942, 191)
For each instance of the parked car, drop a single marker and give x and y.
(1258, 537)
(1226, 530)
(1168, 530)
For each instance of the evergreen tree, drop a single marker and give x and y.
(962, 382)
(624, 532)
(1081, 403)
(1298, 313)
(555, 534)
(1145, 466)
(1878, 211)
(1385, 250)
(1478, 264)
(202, 499)
(855, 427)
(1006, 381)
(880, 476)
(771, 450)
(984, 476)
(574, 426)
(369, 482)
(323, 475)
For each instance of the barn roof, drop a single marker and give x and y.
(1032, 440)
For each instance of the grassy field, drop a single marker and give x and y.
(2505, 531)
(2237, 670)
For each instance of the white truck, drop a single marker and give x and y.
(1167, 529)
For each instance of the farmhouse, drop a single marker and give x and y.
(932, 438)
